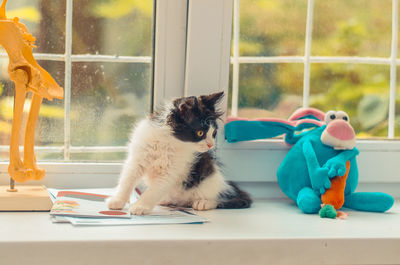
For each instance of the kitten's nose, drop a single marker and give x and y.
(210, 145)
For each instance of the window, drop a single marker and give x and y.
(106, 74)
(329, 55)
(278, 63)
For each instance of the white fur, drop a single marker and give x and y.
(164, 162)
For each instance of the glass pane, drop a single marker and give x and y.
(352, 28)
(397, 117)
(360, 90)
(45, 19)
(269, 90)
(50, 125)
(106, 100)
(99, 156)
(270, 27)
(116, 27)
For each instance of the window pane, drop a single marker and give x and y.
(397, 116)
(107, 99)
(271, 28)
(45, 19)
(99, 156)
(352, 28)
(117, 27)
(50, 125)
(360, 90)
(269, 90)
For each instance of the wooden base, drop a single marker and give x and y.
(25, 199)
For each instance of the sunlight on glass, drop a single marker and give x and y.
(50, 125)
(397, 115)
(269, 90)
(360, 90)
(272, 28)
(118, 27)
(352, 28)
(107, 99)
(45, 19)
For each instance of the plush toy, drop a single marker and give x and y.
(322, 146)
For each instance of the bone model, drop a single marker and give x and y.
(27, 76)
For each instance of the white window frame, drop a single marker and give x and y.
(254, 164)
(192, 57)
(168, 78)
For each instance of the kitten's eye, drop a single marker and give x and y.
(200, 133)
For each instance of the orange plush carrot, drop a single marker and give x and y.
(335, 196)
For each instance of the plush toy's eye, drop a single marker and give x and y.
(200, 133)
(330, 116)
(342, 115)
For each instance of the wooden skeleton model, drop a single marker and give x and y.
(27, 76)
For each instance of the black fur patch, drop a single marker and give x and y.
(235, 199)
(193, 114)
(200, 170)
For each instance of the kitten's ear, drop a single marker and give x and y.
(186, 105)
(211, 100)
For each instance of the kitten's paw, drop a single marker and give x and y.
(115, 203)
(203, 205)
(164, 203)
(140, 209)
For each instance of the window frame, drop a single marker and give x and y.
(169, 53)
(254, 163)
(183, 65)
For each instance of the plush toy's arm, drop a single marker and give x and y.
(318, 176)
(337, 165)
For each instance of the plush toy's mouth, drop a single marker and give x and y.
(340, 135)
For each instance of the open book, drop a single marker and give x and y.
(87, 207)
(84, 204)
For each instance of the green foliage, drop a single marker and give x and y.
(372, 110)
(115, 9)
(27, 13)
(340, 28)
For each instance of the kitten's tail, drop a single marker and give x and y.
(234, 198)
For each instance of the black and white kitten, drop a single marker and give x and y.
(172, 150)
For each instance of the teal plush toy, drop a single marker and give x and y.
(322, 144)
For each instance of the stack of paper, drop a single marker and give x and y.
(87, 207)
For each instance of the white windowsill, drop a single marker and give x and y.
(271, 232)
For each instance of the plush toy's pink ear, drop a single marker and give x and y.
(307, 113)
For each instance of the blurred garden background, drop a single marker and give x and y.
(108, 97)
(340, 28)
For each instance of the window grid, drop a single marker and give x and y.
(67, 80)
(68, 58)
(307, 59)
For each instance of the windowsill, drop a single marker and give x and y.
(271, 232)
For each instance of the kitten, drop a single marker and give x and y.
(172, 150)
